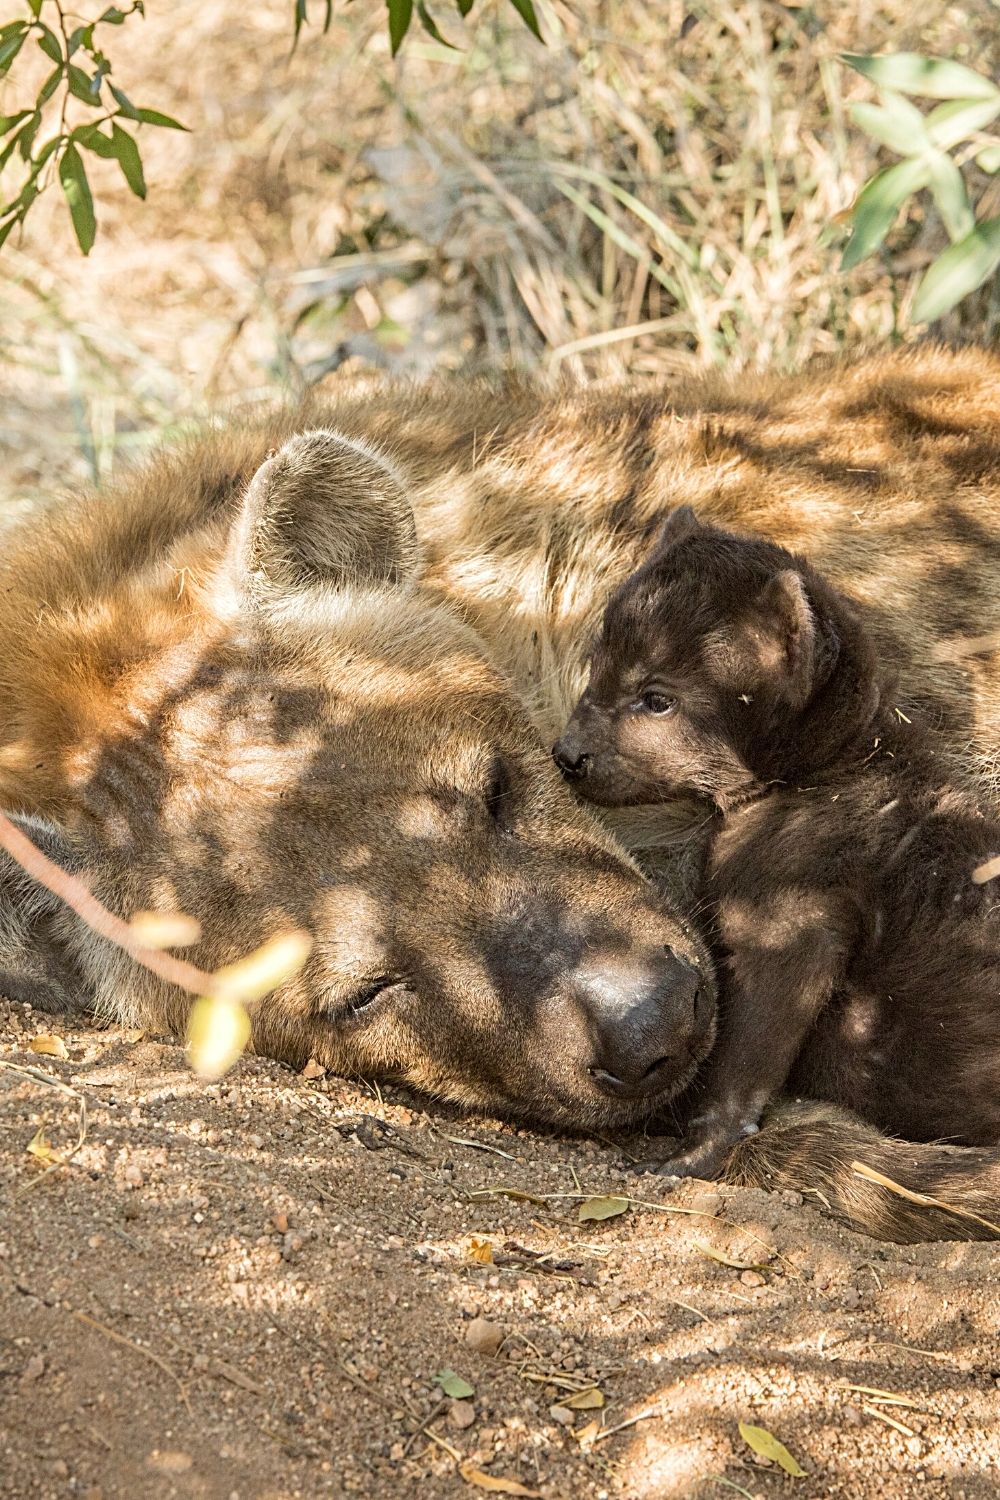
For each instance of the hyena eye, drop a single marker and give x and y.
(366, 994)
(655, 702)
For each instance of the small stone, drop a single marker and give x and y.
(752, 1278)
(708, 1201)
(169, 1461)
(483, 1336)
(133, 1176)
(762, 1462)
(34, 1369)
(914, 1446)
(461, 1414)
(313, 1069)
(852, 1416)
(279, 1223)
(852, 1297)
(560, 1415)
(791, 1198)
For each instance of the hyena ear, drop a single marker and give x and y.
(37, 966)
(788, 634)
(680, 523)
(323, 509)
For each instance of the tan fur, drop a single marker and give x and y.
(257, 764)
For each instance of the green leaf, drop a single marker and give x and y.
(768, 1446)
(454, 1386)
(154, 117)
(26, 138)
(73, 177)
(5, 229)
(50, 85)
(464, 6)
(124, 103)
(988, 159)
(601, 1208)
(49, 43)
(896, 123)
(950, 197)
(7, 122)
(9, 50)
(81, 36)
(877, 205)
(431, 27)
(947, 124)
(913, 73)
(81, 86)
(400, 16)
(35, 7)
(124, 147)
(962, 268)
(526, 10)
(112, 16)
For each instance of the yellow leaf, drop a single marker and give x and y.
(41, 1147)
(48, 1045)
(586, 1435)
(481, 1250)
(217, 1032)
(591, 1400)
(601, 1208)
(165, 929)
(726, 1260)
(768, 1446)
(494, 1482)
(263, 970)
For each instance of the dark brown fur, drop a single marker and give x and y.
(860, 960)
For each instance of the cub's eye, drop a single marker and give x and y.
(365, 996)
(655, 702)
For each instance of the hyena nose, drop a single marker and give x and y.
(644, 1025)
(573, 762)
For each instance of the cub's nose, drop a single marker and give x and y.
(645, 1023)
(572, 760)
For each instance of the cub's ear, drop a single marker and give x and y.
(37, 966)
(788, 635)
(323, 509)
(680, 523)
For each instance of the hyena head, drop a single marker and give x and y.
(321, 745)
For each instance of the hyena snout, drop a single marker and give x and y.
(646, 1022)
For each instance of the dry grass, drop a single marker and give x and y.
(650, 193)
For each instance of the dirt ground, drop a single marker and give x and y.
(251, 1289)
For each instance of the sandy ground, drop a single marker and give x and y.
(251, 1290)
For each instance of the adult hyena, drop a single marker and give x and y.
(307, 671)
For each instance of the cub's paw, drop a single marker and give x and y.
(705, 1150)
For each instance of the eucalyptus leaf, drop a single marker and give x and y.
(400, 16)
(947, 187)
(947, 124)
(913, 73)
(526, 10)
(454, 1386)
(958, 271)
(877, 205)
(73, 177)
(988, 159)
(896, 123)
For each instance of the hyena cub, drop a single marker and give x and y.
(859, 958)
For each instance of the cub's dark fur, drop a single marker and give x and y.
(860, 957)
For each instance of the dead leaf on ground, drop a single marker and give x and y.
(495, 1482)
(454, 1386)
(591, 1399)
(480, 1250)
(768, 1446)
(41, 1147)
(48, 1045)
(313, 1069)
(727, 1260)
(601, 1208)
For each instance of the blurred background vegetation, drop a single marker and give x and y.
(660, 188)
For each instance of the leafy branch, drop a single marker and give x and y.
(926, 142)
(400, 15)
(82, 72)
